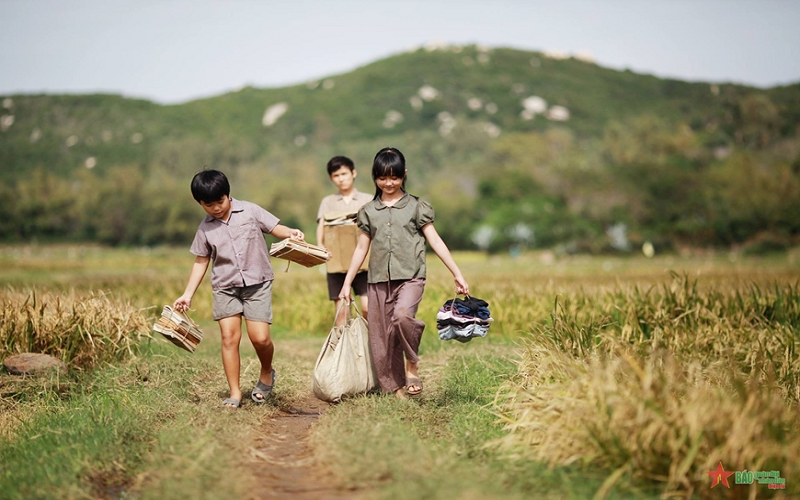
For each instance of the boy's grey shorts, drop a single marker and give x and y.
(253, 302)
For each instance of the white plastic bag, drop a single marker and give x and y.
(344, 365)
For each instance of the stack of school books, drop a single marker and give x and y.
(300, 252)
(179, 329)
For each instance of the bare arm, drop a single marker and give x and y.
(284, 232)
(320, 225)
(320, 237)
(438, 246)
(184, 302)
(360, 253)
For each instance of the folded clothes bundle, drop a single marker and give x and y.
(471, 306)
(463, 319)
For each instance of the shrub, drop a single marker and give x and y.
(82, 329)
(661, 384)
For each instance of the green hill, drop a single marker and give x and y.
(461, 114)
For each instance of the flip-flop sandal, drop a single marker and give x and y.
(263, 390)
(411, 382)
(231, 403)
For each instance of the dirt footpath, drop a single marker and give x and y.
(284, 461)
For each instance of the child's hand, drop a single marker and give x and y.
(297, 235)
(461, 285)
(182, 304)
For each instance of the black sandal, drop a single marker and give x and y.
(263, 390)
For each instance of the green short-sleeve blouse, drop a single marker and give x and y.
(397, 250)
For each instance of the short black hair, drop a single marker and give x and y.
(338, 162)
(209, 186)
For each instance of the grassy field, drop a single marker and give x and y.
(601, 377)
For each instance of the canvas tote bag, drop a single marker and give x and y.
(344, 365)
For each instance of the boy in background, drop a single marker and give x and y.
(232, 237)
(342, 172)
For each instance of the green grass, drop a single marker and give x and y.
(438, 446)
(148, 425)
(110, 431)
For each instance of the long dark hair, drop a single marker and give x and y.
(389, 162)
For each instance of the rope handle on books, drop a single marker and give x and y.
(185, 314)
(306, 249)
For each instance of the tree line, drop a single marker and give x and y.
(643, 180)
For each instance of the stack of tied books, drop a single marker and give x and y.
(178, 329)
(300, 252)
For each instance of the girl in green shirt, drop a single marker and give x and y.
(394, 229)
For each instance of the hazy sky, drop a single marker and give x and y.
(173, 50)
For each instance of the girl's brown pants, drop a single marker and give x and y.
(393, 329)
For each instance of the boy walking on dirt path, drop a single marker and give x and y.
(232, 237)
(333, 210)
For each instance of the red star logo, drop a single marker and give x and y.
(720, 475)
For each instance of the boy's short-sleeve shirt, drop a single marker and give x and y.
(337, 203)
(397, 250)
(237, 247)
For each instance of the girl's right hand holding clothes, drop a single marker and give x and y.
(461, 285)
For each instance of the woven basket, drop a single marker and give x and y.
(179, 329)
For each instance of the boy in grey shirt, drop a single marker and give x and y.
(342, 172)
(232, 237)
